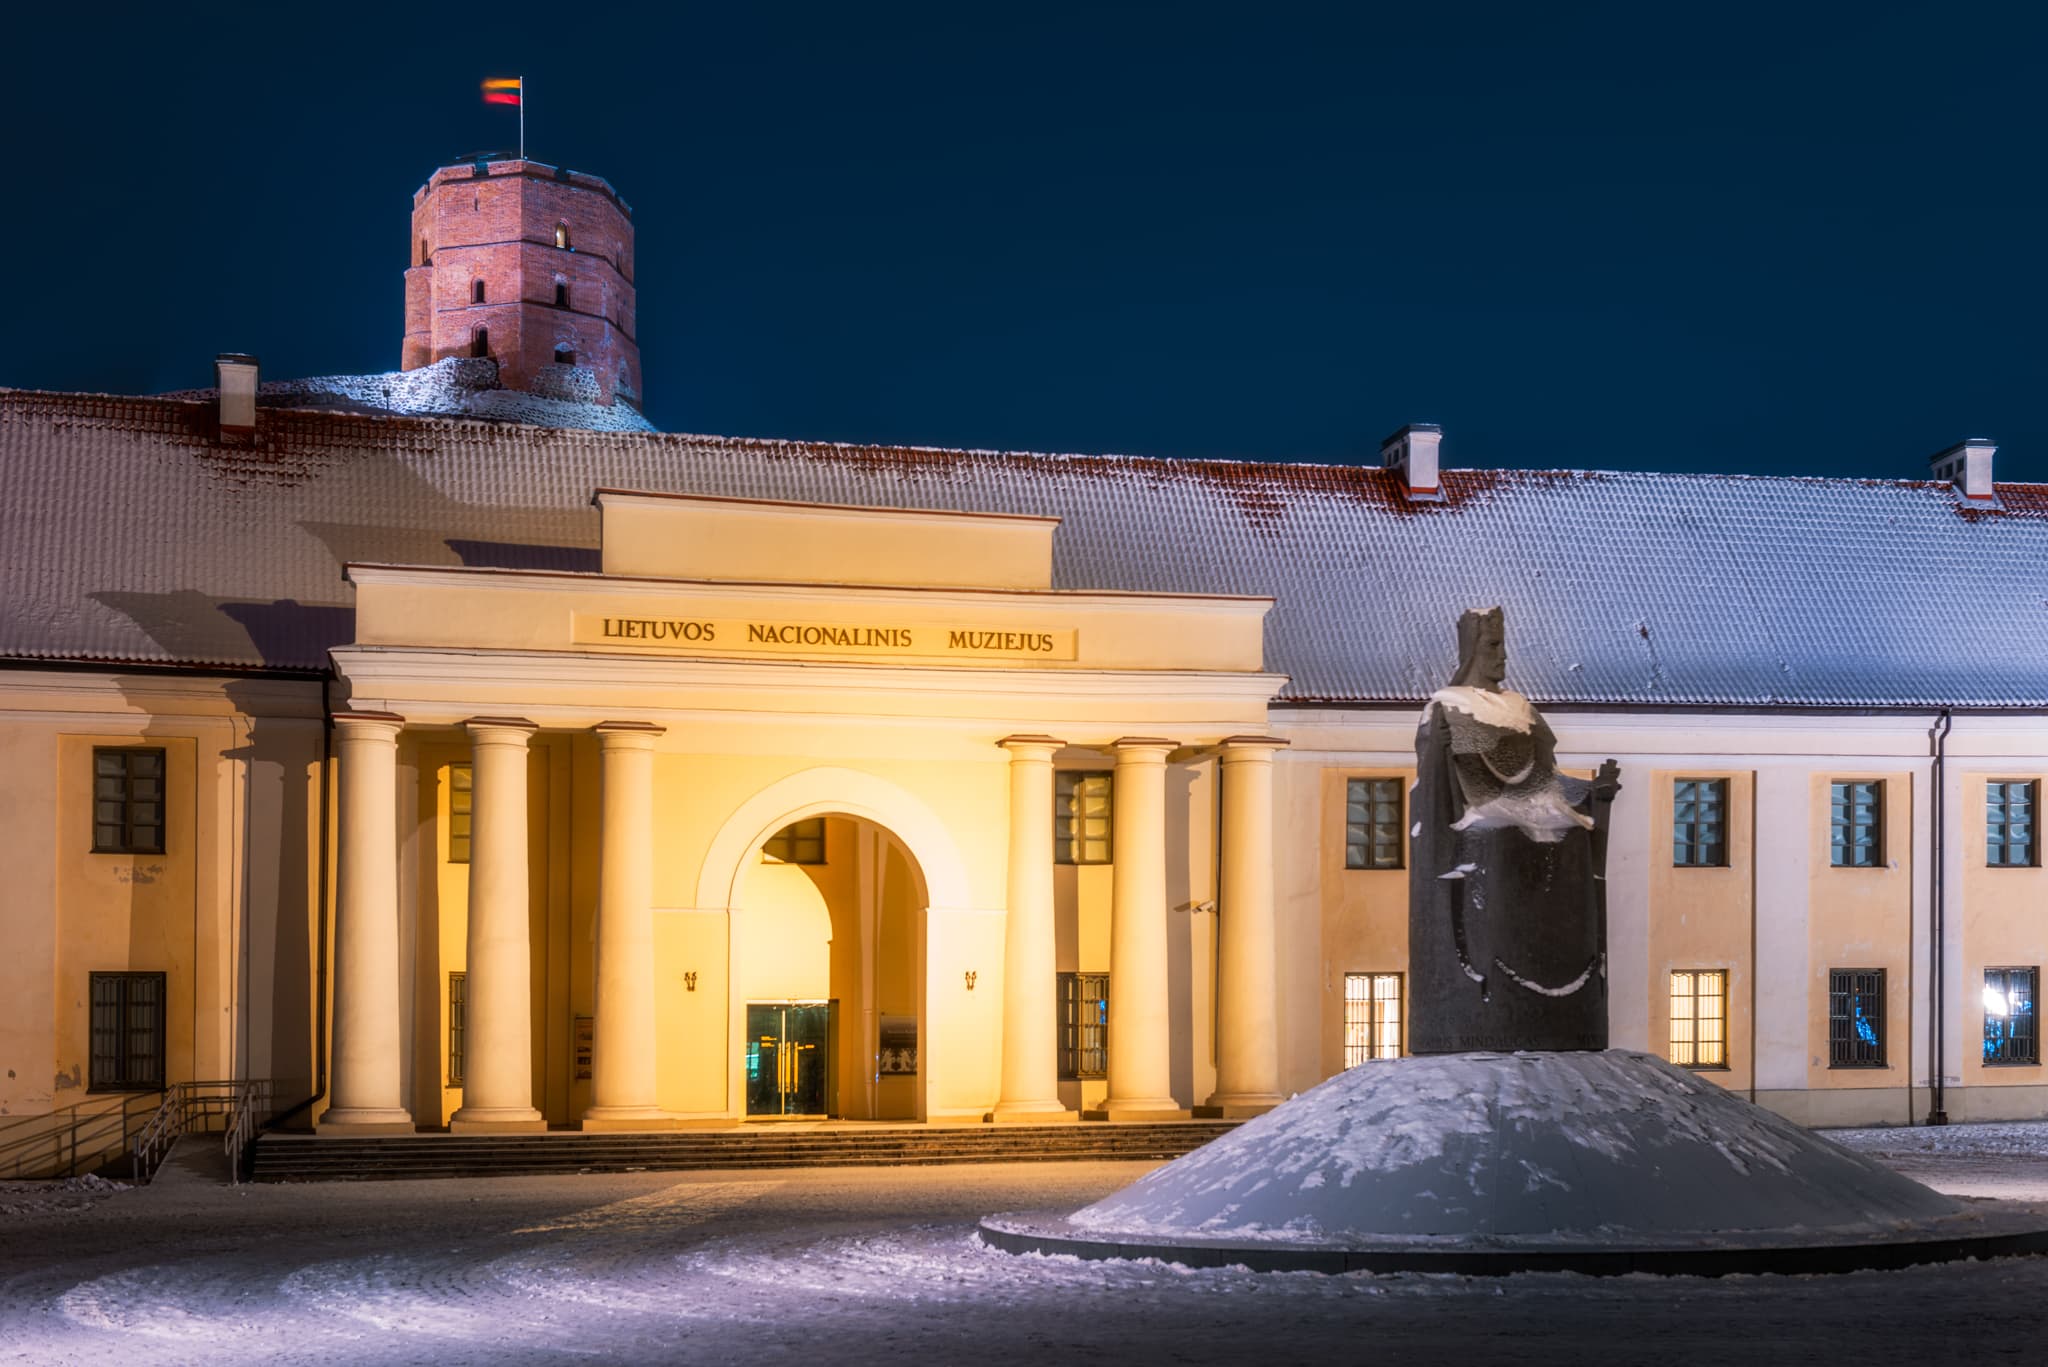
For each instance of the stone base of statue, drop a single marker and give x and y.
(1607, 1163)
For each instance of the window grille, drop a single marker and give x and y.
(127, 801)
(1373, 833)
(127, 1032)
(800, 842)
(1856, 818)
(1084, 1025)
(1699, 815)
(2009, 824)
(2011, 1032)
(458, 1026)
(1081, 827)
(1372, 1017)
(1855, 1018)
(1699, 1017)
(461, 797)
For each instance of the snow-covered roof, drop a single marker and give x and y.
(128, 533)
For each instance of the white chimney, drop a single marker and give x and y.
(235, 376)
(1967, 465)
(1411, 452)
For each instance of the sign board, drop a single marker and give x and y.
(865, 639)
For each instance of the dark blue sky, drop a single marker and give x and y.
(1785, 239)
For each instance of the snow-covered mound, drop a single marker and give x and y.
(457, 387)
(1603, 1147)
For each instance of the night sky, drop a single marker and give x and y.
(1787, 239)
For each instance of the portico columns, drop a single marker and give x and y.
(1140, 1038)
(364, 1090)
(1247, 1015)
(497, 1084)
(622, 1056)
(1030, 965)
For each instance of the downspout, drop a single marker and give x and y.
(1937, 1113)
(320, 928)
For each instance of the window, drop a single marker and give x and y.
(1855, 1018)
(1699, 1018)
(1373, 837)
(1856, 815)
(561, 235)
(426, 259)
(800, 842)
(2010, 1032)
(561, 295)
(1372, 1017)
(480, 342)
(1084, 1025)
(1081, 831)
(476, 292)
(2009, 824)
(461, 797)
(564, 356)
(1699, 808)
(127, 801)
(458, 1025)
(127, 1032)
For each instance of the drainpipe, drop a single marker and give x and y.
(1937, 1113)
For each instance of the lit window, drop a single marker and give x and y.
(1856, 820)
(561, 235)
(127, 1032)
(476, 292)
(2011, 1034)
(1699, 809)
(1084, 1025)
(800, 842)
(458, 1025)
(2009, 824)
(1699, 1018)
(1373, 834)
(1081, 830)
(1372, 1017)
(1855, 1018)
(127, 801)
(461, 795)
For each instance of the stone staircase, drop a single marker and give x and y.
(305, 1158)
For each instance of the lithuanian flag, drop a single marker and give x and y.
(505, 91)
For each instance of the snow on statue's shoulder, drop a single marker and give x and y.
(1503, 709)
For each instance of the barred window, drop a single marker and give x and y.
(800, 842)
(1372, 1017)
(1856, 818)
(458, 1026)
(1855, 1018)
(127, 1032)
(461, 797)
(2009, 824)
(127, 801)
(2011, 1033)
(1084, 1025)
(1373, 834)
(1699, 816)
(1081, 826)
(1699, 1017)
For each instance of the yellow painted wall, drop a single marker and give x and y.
(1082, 902)
(2003, 911)
(693, 1045)
(1862, 918)
(1705, 918)
(1364, 913)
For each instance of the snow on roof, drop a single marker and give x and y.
(128, 533)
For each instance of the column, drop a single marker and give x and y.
(1247, 1011)
(497, 1085)
(364, 1089)
(1030, 966)
(622, 1047)
(1140, 1048)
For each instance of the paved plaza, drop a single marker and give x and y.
(881, 1265)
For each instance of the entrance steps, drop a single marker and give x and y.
(305, 1158)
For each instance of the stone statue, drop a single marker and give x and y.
(1507, 902)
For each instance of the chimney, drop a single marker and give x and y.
(1967, 465)
(1411, 452)
(235, 376)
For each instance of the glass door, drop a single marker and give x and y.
(789, 1058)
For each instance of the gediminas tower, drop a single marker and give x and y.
(532, 266)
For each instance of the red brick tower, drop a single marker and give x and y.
(531, 265)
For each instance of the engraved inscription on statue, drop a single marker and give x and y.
(769, 636)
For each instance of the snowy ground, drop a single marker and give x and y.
(880, 1265)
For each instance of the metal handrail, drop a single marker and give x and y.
(186, 1107)
(254, 1104)
(63, 1142)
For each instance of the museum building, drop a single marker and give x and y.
(501, 774)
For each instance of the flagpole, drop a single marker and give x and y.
(522, 118)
